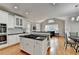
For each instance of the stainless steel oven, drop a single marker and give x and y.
(3, 33)
(3, 39)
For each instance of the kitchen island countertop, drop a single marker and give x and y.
(35, 37)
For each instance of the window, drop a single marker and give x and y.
(52, 27)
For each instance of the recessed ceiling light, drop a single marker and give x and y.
(16, 7)
(72, 18)
(77, 18)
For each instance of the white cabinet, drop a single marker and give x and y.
(3, 17)
(12, 39)
(34, 47)
(37, 49)
(40, 47)
(17, 38)
(37, 27)
(28, 28)
(27, 45)
(11, 21)
(18, 21)
(15, 21)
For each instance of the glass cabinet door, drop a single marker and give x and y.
(17, 21)
(20, 22)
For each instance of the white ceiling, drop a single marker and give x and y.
(39, 12)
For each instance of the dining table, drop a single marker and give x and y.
(76, 40)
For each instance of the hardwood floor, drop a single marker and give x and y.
(15, 50)
(61, 49)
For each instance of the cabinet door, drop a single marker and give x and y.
(37, 48)
(28, 28)
(3, 17)
(40, 47)
(17, 38)
(21, 23)
(12, 39)
(30, 46)
(27, 45)
(10, 21)
(22, 43)
(17, 21)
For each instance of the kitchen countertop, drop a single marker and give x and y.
(41, 31)
(3, 34)
(16, 33)
(35, 37)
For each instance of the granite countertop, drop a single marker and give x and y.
(35, 37)
(41, 31)
(15, 33)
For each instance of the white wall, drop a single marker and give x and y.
(61, 25)
(27, 25)
(71, 26)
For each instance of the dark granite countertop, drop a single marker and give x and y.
(15, 33)
(35, 37)
(42, 31)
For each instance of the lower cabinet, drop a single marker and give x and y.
(40, 47)
(34, 47)
(12, 39)
(27, 45)
(17, 38)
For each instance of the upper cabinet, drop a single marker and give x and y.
(15, 21)
(11, 21)
(3, 17)
(18, 21)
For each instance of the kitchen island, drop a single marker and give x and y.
(34, 44)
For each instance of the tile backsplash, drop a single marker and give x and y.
(15, 30)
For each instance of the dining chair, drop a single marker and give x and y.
(77, 47)
(76, 43)
(68, 41)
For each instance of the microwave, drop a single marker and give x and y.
(3, 28)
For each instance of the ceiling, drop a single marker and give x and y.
(38, 12)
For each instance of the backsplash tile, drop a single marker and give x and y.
(15, 30)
